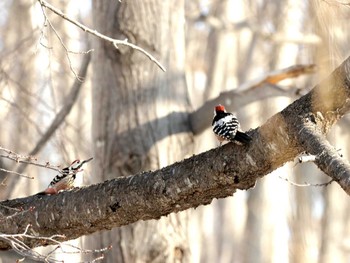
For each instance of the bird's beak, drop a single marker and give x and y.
(88, 160)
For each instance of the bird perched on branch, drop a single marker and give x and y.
(65, 179)
(227, 128)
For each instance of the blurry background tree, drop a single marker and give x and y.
(127, 108)
(135, 109)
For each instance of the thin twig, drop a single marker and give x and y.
(18, 244)
(62, 43)
(41, 37)
(114, 42)
(306, 184)
(25, 159)
(13, 172)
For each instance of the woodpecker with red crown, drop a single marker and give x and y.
(65, 179)
(227, 128)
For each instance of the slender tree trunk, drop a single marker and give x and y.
(135, 105)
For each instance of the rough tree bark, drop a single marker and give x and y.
(197, 180)
(133, 122)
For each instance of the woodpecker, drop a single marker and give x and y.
(65, 179)
(226, 126)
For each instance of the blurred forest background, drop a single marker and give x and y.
(208, 47)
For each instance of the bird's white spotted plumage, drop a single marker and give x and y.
(226, 126)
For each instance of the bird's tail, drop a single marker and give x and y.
(243, 137)
(41, 193)
(48, 191)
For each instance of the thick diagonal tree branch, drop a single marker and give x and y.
(195, 181)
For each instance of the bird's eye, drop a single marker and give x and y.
(75, 162)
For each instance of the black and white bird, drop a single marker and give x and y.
(227, 128)
(65, 179)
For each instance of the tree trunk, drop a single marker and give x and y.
(134, 108)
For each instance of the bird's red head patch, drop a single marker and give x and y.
(219, 108)
(75, 162)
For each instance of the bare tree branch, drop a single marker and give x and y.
(30, 159)
(62, 43)
(19, 246)
(114, 42)
(195, 181)
(278, 75)
(307, 184)
(13, 172)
